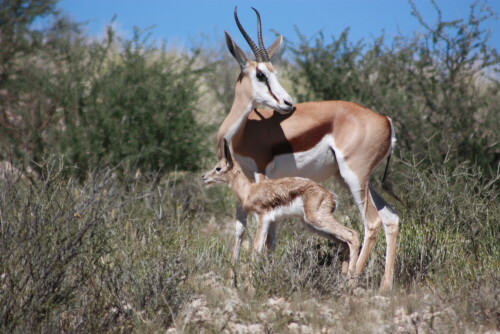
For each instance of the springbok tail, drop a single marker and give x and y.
(386, 185)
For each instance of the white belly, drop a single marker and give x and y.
(293, 209)
(317, 164)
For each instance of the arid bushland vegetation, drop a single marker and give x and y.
(105, 226)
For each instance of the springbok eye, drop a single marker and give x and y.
(218, 169)
(261, 76)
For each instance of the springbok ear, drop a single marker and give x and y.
(236, 51)
(275, 47)
(227, 153)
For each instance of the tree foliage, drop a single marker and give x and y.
(17, 37)
(103, 102)
(139, 109)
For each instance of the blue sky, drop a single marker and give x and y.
(182, 23)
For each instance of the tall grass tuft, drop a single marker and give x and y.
(450, 229)
(107, 254)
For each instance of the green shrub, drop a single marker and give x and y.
(139, 112)
(125, 103)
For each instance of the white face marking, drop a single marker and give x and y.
(317, 164)
(269, 92)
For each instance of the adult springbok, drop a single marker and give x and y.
(269, 200)
(314, 140)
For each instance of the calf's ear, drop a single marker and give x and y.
(227, 153)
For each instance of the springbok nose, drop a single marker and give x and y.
(289, 107)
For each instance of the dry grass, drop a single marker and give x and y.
(118, 254)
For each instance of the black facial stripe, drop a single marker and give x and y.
(271, 92)
(267, 84)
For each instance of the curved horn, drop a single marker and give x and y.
(254, 47)
(262, 47)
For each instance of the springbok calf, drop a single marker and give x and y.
(270, 200)
(315, 140)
